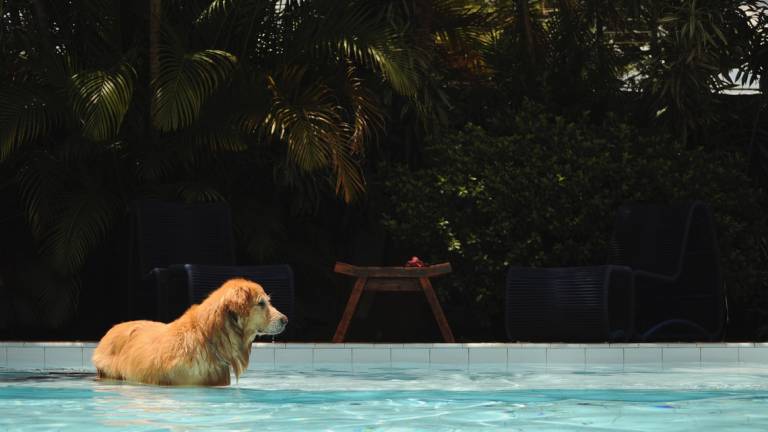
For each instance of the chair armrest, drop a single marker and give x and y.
(160, 295)
(655, 276)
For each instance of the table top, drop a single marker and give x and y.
(393, 272)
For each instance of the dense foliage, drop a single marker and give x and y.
(266, 104)
(290, 109)
(546, 194)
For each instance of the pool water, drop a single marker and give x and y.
(386, 399)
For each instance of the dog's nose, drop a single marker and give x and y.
(284, 320)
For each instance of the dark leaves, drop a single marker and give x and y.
(184, 83)
(101, 100)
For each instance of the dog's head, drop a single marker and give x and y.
(249, 309)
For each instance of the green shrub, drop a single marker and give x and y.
(546, 196)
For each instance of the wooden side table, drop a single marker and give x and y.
(392, 279)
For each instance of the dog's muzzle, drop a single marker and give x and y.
(276, 326)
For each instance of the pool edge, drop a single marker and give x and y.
(76, 356)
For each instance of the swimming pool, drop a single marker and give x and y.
(310, 397)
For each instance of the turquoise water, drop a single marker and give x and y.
(309, 399)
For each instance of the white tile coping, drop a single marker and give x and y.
(77, 355)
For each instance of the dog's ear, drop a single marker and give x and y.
(239, 300)
(234, 318)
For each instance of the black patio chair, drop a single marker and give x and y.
(662, 282)
(569, 304)
(185, 251)
(674, 256)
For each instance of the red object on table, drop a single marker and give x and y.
(415, 262)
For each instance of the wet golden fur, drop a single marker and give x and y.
(202, 347)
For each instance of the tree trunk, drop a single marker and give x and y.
(653, 24)
(155, 8)
(525, 29)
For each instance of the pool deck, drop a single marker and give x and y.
(76, 356)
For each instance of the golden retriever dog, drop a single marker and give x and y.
(201, 347)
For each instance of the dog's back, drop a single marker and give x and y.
(117, 350)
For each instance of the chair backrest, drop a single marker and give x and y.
(168, 233)
(651, 237)
(676, 243)
(277, 281)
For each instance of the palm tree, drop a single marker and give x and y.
(95, 112)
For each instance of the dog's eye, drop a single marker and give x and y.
(262, 303)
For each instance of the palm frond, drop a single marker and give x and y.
(301, 115)
(84, 218)
(101, 99)
(383, 50)
(216, 10)
(184, 83)
(25, 116)
(399, 66)
(39, 181)
(198, 192)
(458, 25)
(68, 221)
(367, 115)
(350, 182)
(334, 32)
(309, 121)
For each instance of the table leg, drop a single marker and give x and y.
(349, 311)
(445, 329)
